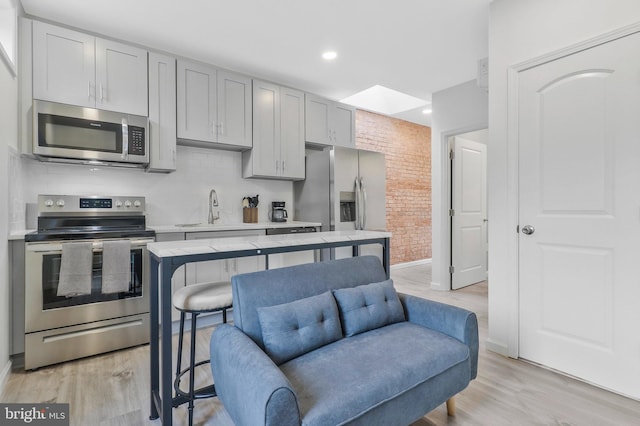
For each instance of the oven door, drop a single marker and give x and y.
(45, 310)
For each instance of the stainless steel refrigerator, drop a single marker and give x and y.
(344, 189)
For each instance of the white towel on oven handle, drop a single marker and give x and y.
(76, 265)
(116, 266)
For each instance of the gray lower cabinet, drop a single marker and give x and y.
(16, 265)
(179, 277)
(220, 270)
(278, 134)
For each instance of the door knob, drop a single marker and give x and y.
(528, 229)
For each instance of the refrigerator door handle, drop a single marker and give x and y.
(363, 191)
(358, 201)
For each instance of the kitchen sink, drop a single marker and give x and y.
(187, 225)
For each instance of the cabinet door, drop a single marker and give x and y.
(234, 109)
(343, 125)
(63, 65)
(121, 77)
(317, 113)
(196, 113)
(265, 154)
(162, 112)
(207, 272)
(244, 265)
(292, 133)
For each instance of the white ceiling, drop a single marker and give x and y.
(416, 47)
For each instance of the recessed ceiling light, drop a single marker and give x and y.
(329, 55)
(384, 100)
(426, 111)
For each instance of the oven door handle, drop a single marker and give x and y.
(97, 245)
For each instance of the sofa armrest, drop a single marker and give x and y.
(451, 320)
(251, 387)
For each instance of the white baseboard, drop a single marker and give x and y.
(410, 264)
(496, 347)
(439, 286)
(4, 375)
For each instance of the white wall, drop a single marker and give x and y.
(8, 138)
(480, 136)
(178, 197)
(459, 109)
(521, 30)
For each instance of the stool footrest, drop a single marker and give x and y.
(199, 393)
(205, 392)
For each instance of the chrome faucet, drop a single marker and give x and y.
(213, 202)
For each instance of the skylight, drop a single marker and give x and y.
(384, 100)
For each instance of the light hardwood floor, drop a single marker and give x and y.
(112, 389)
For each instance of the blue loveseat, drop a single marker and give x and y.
(332, 343)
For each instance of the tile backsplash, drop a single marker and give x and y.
(17, 208)
(178, 197)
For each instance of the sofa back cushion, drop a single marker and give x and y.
(295, 328)
(277, 286)
(368, 307)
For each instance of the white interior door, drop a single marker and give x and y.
(469, 203)
(579, 194)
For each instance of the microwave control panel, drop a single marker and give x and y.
(136, 140)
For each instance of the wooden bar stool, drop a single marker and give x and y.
(196, 299)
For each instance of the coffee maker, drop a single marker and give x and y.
(278, 213)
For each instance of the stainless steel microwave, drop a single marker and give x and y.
(77, 134)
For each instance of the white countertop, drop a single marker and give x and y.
(218, 245)
(205, 227)
(200, 227)
(19, 234)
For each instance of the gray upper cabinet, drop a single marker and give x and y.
(214, 107)
(197, 106)
(278, 133)
(162, 113)
(292, 133)
(234, 109)
(121, 77)
(79, 69)
(328, 122)
(344, 125)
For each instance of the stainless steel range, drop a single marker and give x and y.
(86, 278)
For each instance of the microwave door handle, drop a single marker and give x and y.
(125, 139)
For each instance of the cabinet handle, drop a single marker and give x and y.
(89, 89)
(277, 166)
(283, 165)
(101, 93)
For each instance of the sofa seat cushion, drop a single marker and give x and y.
(343, 380)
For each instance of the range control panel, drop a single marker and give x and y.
(89, 205)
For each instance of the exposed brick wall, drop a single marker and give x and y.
(407, 149)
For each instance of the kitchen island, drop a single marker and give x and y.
(166, 257)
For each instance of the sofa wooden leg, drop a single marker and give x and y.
(451, 406)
